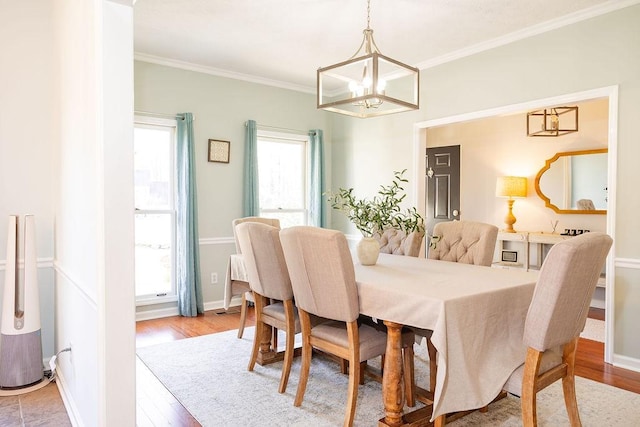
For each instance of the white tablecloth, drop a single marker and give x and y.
(476, 314)
(235, 271)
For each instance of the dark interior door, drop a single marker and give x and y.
(443, 185)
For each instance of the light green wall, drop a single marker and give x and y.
(221, 106)
(592, 54)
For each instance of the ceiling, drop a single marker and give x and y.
(283, 42)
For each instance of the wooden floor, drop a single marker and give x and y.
(156, 406)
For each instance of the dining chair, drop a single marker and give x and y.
(466, 242)
(397, 242)
(463, 241)
(272, 292)
(556, 316)
(240, 287)
(323, 280)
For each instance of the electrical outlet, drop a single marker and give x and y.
(214, 278)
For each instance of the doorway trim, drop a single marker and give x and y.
(609, 92)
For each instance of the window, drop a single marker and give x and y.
(282, 167)
(155, 218)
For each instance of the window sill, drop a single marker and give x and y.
(151, 300)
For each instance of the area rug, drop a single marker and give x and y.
(593, 330)
(209, 376)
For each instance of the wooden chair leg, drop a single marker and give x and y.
(305, 363)
(304, 374)
(354, 373)
(569, 384)
(529, 386)
(363, 368)
(344, 366)
(257, 339)
(289, 346)
(243, 314)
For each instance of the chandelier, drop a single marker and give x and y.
(556, 121)
(369, 83)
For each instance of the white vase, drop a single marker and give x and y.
(368, 250)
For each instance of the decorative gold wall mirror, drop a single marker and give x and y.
(575, 182)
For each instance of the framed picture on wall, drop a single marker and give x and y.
(219, 151)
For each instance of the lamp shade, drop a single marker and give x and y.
(511, 186)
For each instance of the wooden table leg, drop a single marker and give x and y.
(392, 381)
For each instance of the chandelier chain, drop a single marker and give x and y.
(368, 13)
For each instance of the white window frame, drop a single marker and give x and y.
(156, 123)
(291, 138)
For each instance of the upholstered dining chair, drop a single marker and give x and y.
(556, 316)
(272, 292)
(467, 242)
(323, 280)
(397, 242)
(463, 241)
(240, 287)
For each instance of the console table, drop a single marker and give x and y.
(526, 239)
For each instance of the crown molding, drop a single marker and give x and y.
(583, 15)
(175, 63)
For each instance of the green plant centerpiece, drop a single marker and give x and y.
(373, 216)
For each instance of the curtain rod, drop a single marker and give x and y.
(302, 132)
(150, 113)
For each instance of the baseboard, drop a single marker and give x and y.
(67, 401)
(626, 362)
(157, 313)
(173, 311)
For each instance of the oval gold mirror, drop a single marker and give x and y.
(574, 182)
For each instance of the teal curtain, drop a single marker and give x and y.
(316, 201)
(190, 301)
(251, 202)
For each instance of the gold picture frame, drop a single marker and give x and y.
(219, 151)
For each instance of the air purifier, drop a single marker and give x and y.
(20, 341)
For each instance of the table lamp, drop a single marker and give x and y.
(511, 187)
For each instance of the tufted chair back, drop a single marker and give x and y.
(396, 242)
(464, 241)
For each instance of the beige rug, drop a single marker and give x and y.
(593, 330)
(209, 376)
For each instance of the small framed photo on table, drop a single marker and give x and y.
(219, 151)
(509, 256)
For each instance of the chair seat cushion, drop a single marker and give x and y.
(372, 341)
(550, 359)
(276, 313)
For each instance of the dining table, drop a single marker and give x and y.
(236, 272)
(476, 315)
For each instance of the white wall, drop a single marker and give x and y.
(94, 203)
(27, 141)
(221, 106)
(591, 54)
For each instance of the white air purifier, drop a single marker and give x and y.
(20, 341)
